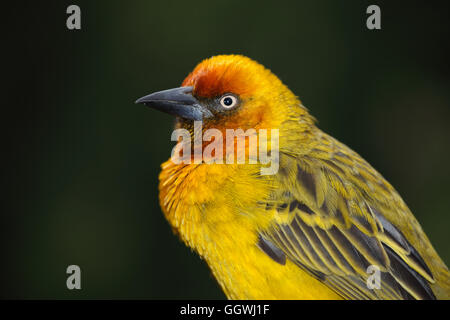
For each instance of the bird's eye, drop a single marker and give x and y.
(228, 101)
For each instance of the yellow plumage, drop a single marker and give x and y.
(311, 230)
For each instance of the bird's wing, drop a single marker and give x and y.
(334, 230)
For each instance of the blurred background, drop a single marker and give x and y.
(82, 160)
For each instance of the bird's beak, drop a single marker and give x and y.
(178, 102)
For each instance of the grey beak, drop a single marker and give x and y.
(178, 102)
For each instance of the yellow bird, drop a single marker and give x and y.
(325, 225)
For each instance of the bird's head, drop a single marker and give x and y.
(230, 92)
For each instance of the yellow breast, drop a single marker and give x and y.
(216, 210)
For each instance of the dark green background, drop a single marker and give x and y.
(83, 159)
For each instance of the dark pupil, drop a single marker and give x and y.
(228, 101)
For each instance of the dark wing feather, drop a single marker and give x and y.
(336, 240)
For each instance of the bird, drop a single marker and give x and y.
(324, 226)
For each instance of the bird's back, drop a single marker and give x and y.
(341, 216)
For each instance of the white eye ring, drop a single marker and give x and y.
(228, 101)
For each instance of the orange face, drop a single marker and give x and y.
(228, 92)
(254, 87)
(231, 92)
(223, 74)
